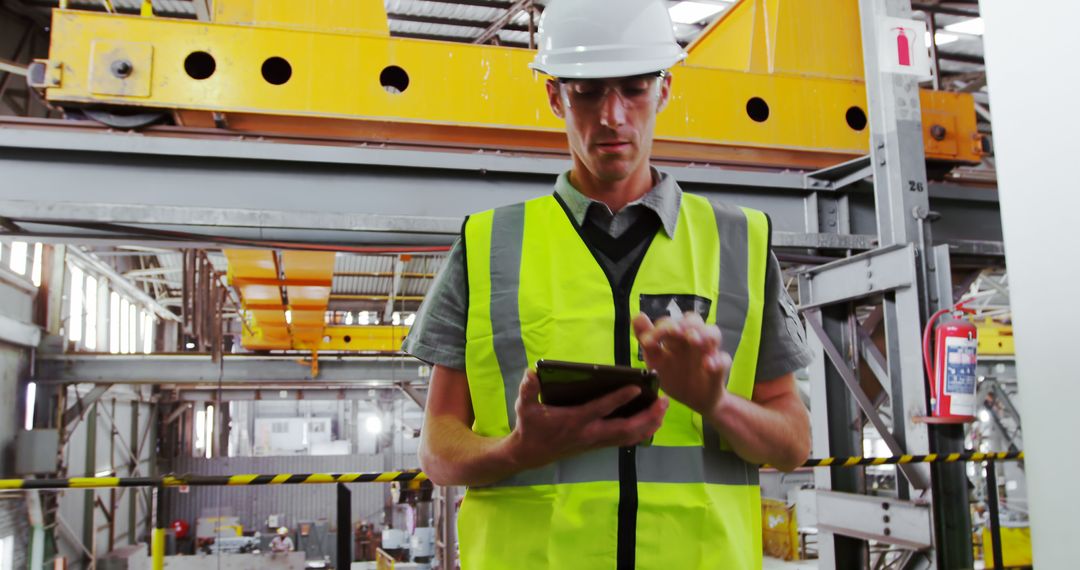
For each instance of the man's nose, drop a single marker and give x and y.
(613, 109)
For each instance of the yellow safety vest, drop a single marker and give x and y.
(537, 291)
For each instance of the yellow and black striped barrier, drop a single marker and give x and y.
(212, 480)
(974, 456)
(415, 475)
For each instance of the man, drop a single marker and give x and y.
(281, 544)
(617, 267)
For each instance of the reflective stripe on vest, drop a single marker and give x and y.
(535, 291)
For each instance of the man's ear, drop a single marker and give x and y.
(665, 92)
(555, 98)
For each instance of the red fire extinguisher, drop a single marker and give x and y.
(903, 47)
(952, 373)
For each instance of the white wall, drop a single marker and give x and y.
(1030, 52)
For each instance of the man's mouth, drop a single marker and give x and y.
(613, 146)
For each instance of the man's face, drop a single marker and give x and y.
(610, 122)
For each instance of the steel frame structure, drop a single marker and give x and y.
(84, 183)
(910, 278)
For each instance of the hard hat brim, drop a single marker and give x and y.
(606, 69)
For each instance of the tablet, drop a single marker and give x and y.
(574, 383)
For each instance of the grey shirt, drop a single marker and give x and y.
(438, 334)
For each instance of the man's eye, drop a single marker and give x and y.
(588, 90)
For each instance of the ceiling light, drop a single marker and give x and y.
(288, 316)
(694, 12)
(972, 27)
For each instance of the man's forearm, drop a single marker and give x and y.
(452, 454)
(776, 435)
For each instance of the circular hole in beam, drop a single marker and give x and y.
(199, 65)
(276, 70)
(856, 118)
(394, 79)
(757, 109)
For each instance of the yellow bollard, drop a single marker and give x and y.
(157, 549)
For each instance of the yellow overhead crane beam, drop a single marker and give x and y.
(773, 82)
(266, 279)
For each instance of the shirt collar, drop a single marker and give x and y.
(664, 199)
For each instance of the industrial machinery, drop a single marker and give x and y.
(750, 93)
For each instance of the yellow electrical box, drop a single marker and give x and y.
(995, 339)
(1015, 546)
(779, 530)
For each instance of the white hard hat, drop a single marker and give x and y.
(594, 39)
(283, 531)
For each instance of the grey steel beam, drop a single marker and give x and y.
(881, 519)
(840, 175)
(874, 359)
(84, 403)
(902, 206)
(234, 370)
(870, 273)
(916, 474)
(419, 394)
(493, 30)
(271, 395)
(395, 286)
(19, 333)
(356, 194)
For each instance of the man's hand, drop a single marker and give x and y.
(545, 434)
(687, 356)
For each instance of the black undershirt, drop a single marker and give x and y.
(620, 257)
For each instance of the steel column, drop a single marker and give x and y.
(902, 209)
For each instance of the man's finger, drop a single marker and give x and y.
(714, 338)
(604, 405)
(634, 429)
(692, 318)
(529, 390)
(642, 324)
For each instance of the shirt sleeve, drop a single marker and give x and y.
(783, 338)
(437, 336)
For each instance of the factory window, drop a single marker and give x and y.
(148, 332)
(90, 342)
(133, 329)
(7, 553)
(209, 432)
(35, 271)
(125, 334)
(279, 427)
(114, 323)
(75, 304)
(31, 403)
(200, 432)
(17, 263)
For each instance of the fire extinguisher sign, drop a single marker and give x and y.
(902, 47)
